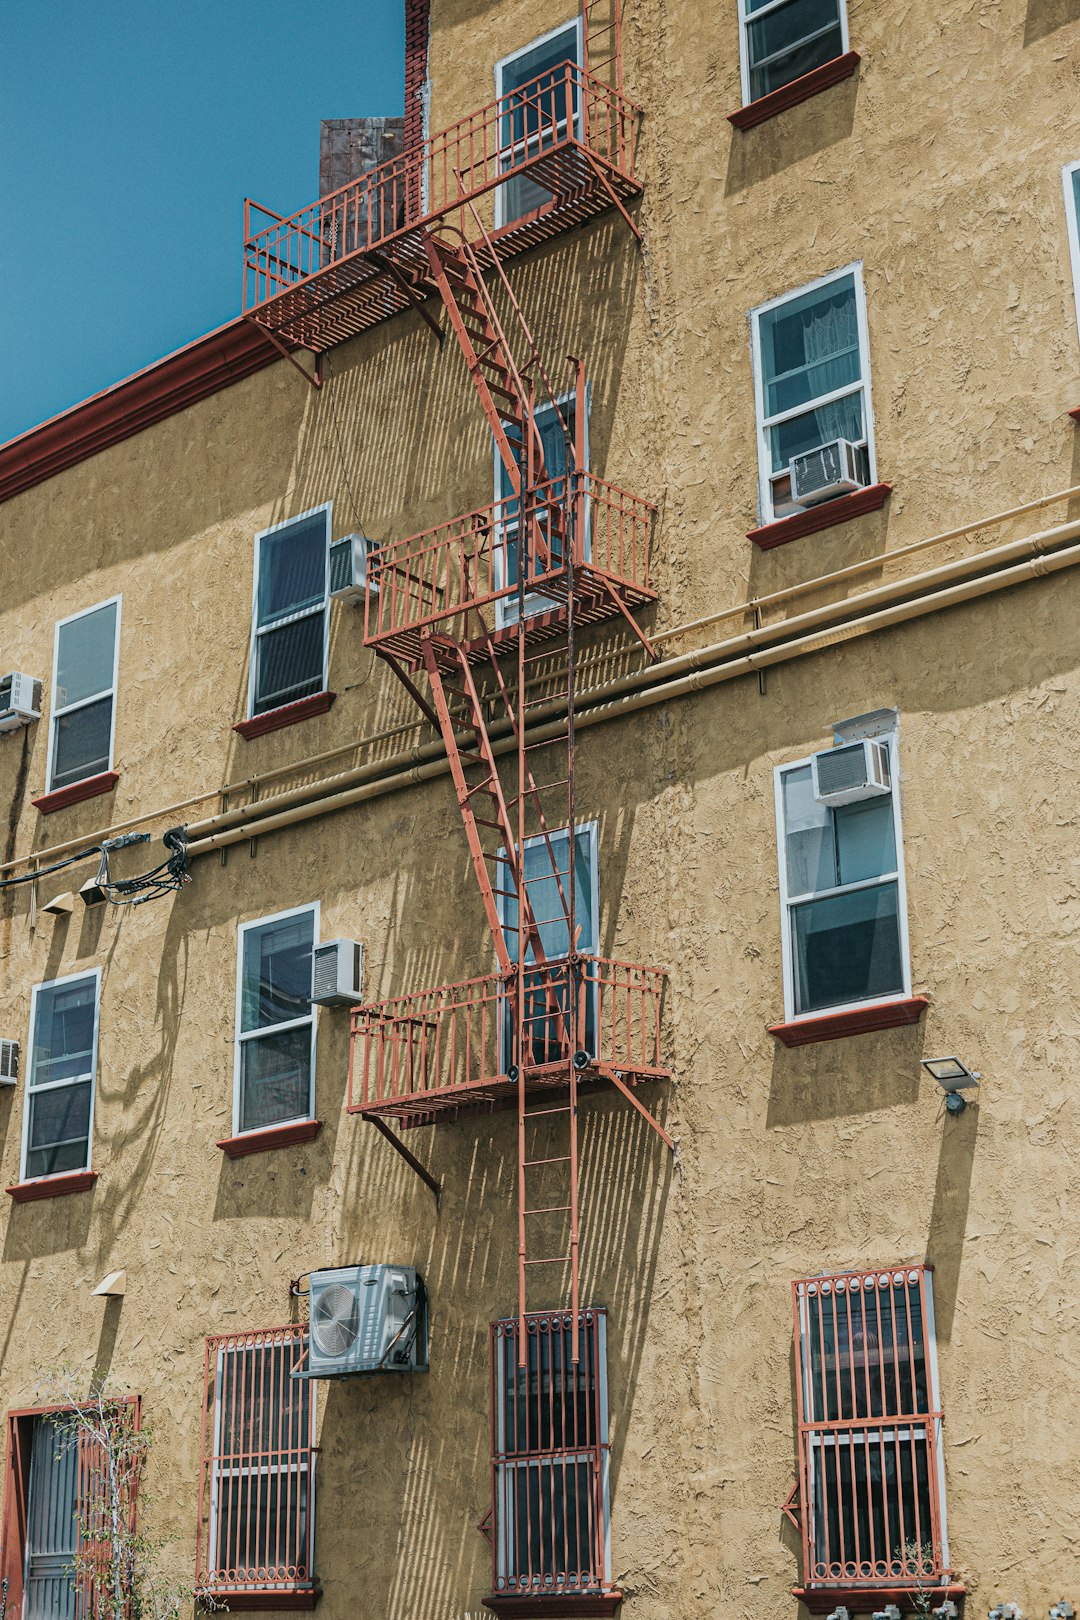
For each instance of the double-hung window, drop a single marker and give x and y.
(257, 1531)
(1071, 178)
(812, 381)
(275, 1021)
(539, 105)
(872, 1490)
(291, 625)
(841, 893)
(84, 695)
(783, 39)
(59, 1114)
(553, 425)
(550, 1462)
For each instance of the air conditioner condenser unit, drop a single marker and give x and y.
(20, 701)
(9, 1062)
(350, 560)
(818, 475)
(366, 1319)
(858, 770)
(336, 972)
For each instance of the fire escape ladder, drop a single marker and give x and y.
(601, 26)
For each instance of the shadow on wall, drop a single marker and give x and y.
(793, 136)
(948, 1218)
(1044, 16)
(859, 1075)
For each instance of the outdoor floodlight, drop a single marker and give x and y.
(953, 1077)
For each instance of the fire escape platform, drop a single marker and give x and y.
(356, 257)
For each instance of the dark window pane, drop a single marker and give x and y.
(534, 116)
(63, 1031)
(871, 1499)
(790, 41)
(82, 743)
(85, 656)
(262, 1526)
(843, 419)
(292, 568)
(847, 948)
(867, 1351)
(276, 973)
(865, 839)
(275, 1078)
(289, 663)
(58, 1131)
(810, 346)
(551, 1507)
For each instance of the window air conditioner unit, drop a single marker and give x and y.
(366, 1319)
(858, 770)
(335, 973)
(833, 469)
(9, 1062)
(20, 701)
(349, 559)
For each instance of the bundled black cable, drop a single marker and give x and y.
(168, 878)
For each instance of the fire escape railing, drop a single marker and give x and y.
(568, 113)
(451, 1045)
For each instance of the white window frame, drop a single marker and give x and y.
(58, 711)
(1070, 178)
(746, 17)
(506, 606)
(326, 507)
(241, 1036)
(765, 422)
(500, 70)
(788, 902)
(55, 1085)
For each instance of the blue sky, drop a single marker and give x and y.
(130, 132)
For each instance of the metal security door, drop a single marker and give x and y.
(52, 1531)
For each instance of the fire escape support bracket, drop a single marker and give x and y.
(629, 617)
(612, 193)
(312, 377)
(413, 690)
(617, 1080)
(417, 303)
(410, 1158)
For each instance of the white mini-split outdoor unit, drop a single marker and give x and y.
(858, 770)
(336, 969)
(349, 561)
(366, 1319)
(9, 1062)
(20, 701)
(818, 475)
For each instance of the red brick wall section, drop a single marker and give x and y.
(417, 30)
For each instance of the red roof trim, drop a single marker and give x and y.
(288, 715)
(801, 89)
(29, 1192)
(856, 1021)
(825, 516)
(273, 1136)
(91, 787)
(211, 363)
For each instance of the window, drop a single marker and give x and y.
(531, 85)
(508, 552)
(84, 695)
(550, 1464)
(275, 1021)
(871, 1479)
(783, 39)
(841, 894)
(546, 884)
(257, 1527)
(59, 1113)
(812, 381)
(1071, 177)
(290, 634)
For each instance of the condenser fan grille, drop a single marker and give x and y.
(335, 1321)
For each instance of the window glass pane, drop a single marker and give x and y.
(85, 656)
(292, 568)
(847, 948)
(547, 902)
(781, 52)
(58, 1130)
(867, 1352)
(275, 1078)
(536, 118)
(83, 740)
(810, 346)
(869, 1489)
(808, 835)
(865, 839)
(262, 1526)
(276, 982)
(51, 1525)
(843, 419)
(63, 1042)
(549, 1405)
(289, 662)
(551, 1507)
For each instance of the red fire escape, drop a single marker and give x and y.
(484, 611)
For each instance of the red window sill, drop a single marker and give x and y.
(825, 516)
(290, 714)
(74, 1181)
(541, 1604)
(865, 1599)
(856, 1021)
(89, 788)
(789, 95)
(274, 1136)
(246, 1598)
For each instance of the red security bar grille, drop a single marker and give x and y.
(449, 1046)
(869, 1429)
(550, 1457)
(256, 1525)
(472, 562)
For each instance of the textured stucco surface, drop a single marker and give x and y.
(938, 167)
